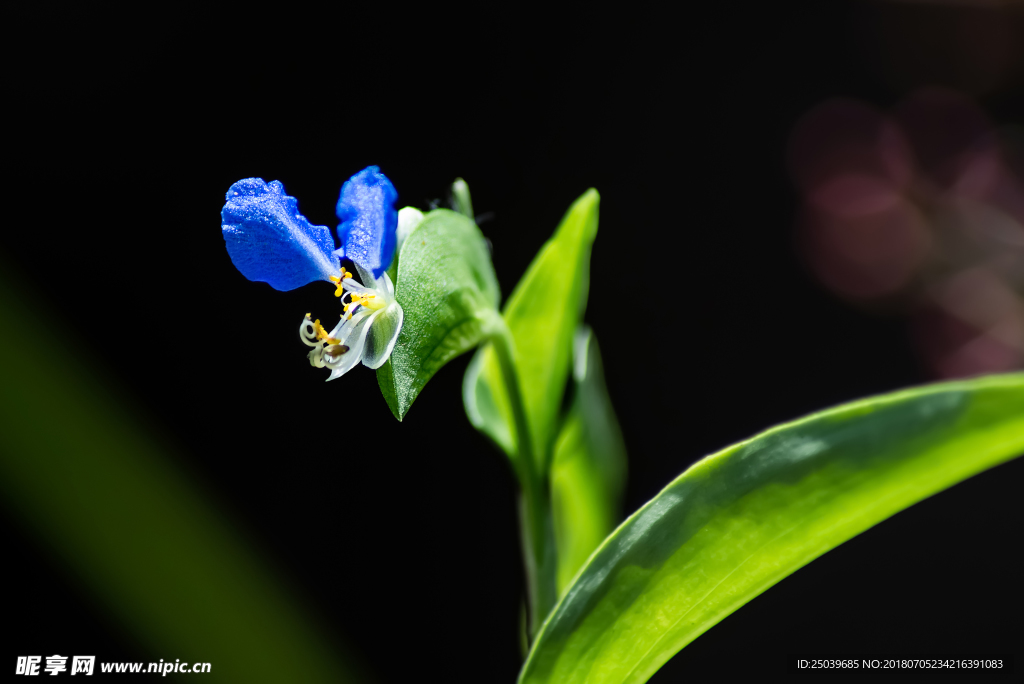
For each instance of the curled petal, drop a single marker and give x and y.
(369, 221)
(270, 241)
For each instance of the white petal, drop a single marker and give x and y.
(385, 286)
(346, 325)
(355, 340)
(383, 334)
(365, 276)
(408, 219)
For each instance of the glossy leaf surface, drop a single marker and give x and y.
(588, 470)
(542, 313)
(737, 522)
(448, 290)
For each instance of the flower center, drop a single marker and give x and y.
(370, 301)
(358, 295)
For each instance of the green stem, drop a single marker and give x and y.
(535, 503)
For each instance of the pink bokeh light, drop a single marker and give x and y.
(916, 211)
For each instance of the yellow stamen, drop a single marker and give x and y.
(322, 334)
(358, 299)
(339, 280)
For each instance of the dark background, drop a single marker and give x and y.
(128, 129)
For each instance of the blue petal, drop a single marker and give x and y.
(368, 220)
(269, 240)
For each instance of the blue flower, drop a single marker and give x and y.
(369, 221)
(270, 241)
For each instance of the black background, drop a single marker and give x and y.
(128, 129)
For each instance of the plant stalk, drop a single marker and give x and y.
(535, 521)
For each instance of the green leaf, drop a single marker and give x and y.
(737, 522)
(589, 466)
(448, 291)
(488, 410)
(102, 494)
(542, 313)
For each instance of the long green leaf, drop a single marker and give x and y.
(589, 467)
(542, 313)
(447, 288)
(737, 522)
(133, 528)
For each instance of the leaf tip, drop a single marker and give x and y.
(386, 382)
(585, 209)
(587, 202)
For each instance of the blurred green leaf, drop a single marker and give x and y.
(737, 522)
(488, 411)
(589, 466)
(134, 529)
(461, 199)
(542, 314)
(448, 290)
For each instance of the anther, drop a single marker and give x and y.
(336, 350)
(339, 280)
(321, 334)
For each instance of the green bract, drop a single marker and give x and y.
(737, 522)
(542, 314)
(588, 471)
(447, 288)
